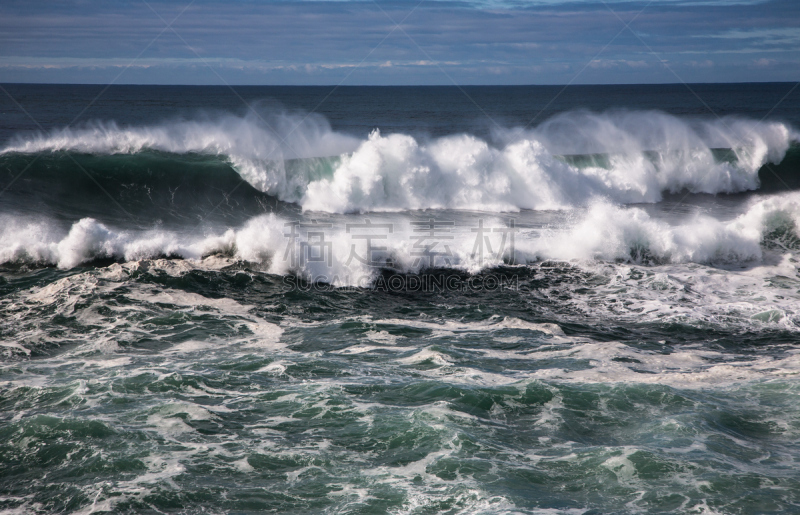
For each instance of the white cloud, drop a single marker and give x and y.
(616, 63)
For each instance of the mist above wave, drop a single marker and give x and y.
(626, 157)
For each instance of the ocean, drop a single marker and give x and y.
(538, 300)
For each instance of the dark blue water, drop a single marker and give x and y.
(433, 110)
(399, 300)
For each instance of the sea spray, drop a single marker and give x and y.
(282, 246)
(644, 154)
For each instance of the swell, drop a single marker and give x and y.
(150, 185)
(569, 161)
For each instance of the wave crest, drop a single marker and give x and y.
(570, 160)
(604, 232)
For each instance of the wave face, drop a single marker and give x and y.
(255, 145)
(571, 160)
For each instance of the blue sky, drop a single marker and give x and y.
(399, 42)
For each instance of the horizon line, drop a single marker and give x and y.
(385, 85)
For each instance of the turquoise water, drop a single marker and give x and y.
(155, 387)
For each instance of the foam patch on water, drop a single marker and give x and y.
(447, 354)
(424, 490)
(451, 327)
(761, 296)
(79, 297)
(614, 362)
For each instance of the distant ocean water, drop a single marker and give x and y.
(400, 299)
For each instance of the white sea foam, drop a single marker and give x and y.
(690, 367)
(609, 232)
(602, 232)
(647, 154)
(74, 296)
(686, 368)
(697, 269)
(643, 154)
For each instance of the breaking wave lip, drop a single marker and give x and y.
(570, 160)
(605, 232)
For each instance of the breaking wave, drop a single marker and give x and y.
(603, 232)
(571, 160)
